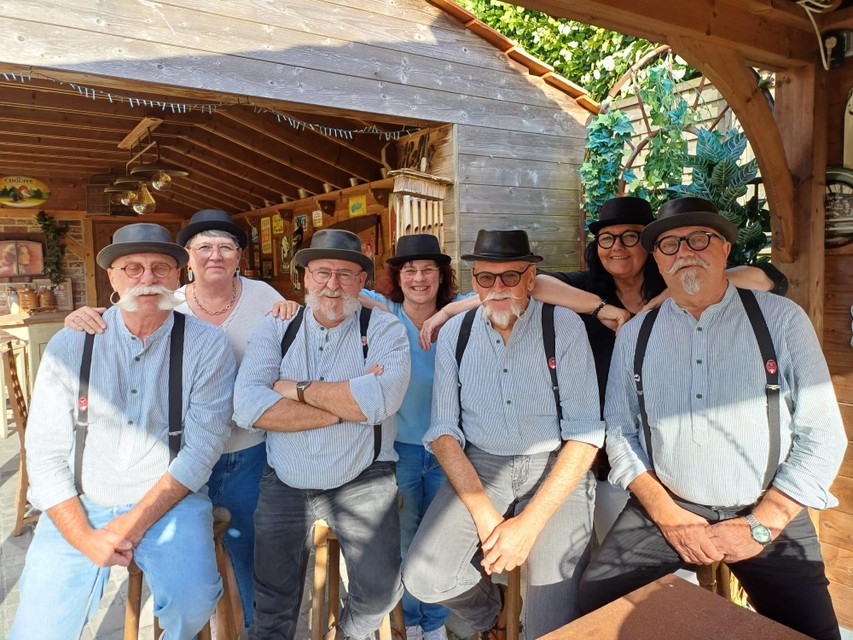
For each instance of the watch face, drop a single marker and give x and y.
(761, 534)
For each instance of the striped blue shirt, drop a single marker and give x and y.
(704, 390)
(331, 456)
(508, 406)
(127, 447)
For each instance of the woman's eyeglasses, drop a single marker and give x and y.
(696, 240)
(486, 279)
(206, 250)
(628, 238)
(411, 272)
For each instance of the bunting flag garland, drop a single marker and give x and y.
(209, 108)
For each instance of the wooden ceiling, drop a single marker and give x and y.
(239, 157)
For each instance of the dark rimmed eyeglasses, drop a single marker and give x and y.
(135, 269)
(607, 240)
(487, 279)
(696, 240)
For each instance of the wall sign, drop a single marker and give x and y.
(21, 191)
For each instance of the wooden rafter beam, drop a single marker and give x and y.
(765, 35)
(733, 77)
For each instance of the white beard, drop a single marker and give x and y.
(323, 303)
(689, 282)
(502, 319)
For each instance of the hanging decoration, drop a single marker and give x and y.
(209, 107)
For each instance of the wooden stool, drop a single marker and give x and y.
(226, 622)
(327, 573)
(513, 604)
(25, 513)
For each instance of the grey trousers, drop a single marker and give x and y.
(441, 564)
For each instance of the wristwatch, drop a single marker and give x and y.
(300, 389)
(760, 533)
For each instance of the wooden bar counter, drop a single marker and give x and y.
(673, 609)
(36, 331)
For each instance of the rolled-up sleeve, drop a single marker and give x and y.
(259, 371)
(444, 419)
(819, 440)
(381, 396)
(207, 423)
(50, 425)
(621, 413)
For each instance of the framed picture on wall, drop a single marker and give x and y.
(266, 269)
(21, 258)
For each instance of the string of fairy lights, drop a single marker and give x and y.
(92, 93)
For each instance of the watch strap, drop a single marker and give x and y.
(300, 389)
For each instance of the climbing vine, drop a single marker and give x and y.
(54, 247)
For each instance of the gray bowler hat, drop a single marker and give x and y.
(687, 212)
(335, 244)
(143, 237)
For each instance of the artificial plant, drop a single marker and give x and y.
(54, 248)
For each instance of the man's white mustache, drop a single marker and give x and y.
(688, 261)
(129, 301)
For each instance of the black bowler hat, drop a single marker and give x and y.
(687, 212)
(623, 210)
(335, 244)
(502, 245)
(211, 220)
(142, 237)
(418, 246)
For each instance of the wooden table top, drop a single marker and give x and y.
(673, 609)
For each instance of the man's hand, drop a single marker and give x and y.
(124, 526)
(106, 548)
(613, 317)
(734, 539)
(688, 535)
(508, 546)
(486, 522)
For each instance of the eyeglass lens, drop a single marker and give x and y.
(411, 272)
(205, 250)
(628, 238)
(696, 240)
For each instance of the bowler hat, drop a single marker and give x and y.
(142, 237)
(419, 246)
(687, 212)
(623, 210)
(209, 220)
(335, 244)
(502, 245)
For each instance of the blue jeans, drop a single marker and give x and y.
(363, 515)
(419, 478)
(441, 564)
(234, 484)
(61, 587)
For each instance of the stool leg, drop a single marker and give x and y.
(398, 625)
(157, 630)
(385, 628)
(334, 582)
(204, 634)
(513, 604)
(321, 557)
(226, 627)
(134, 602)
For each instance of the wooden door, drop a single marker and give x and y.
(103, 236)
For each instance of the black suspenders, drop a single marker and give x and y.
(364, 323)
(176, 425)
(771, 372)
(549, 343)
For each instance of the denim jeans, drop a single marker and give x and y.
(441, 567)
(61, 588)
(363, 515)
(234, 484)
(419, 478)
(786, 582)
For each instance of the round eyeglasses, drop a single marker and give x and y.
(206, 250)
(135, 269)
(344, 276)
(696, 240)
(487, 279)
(607, 240)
